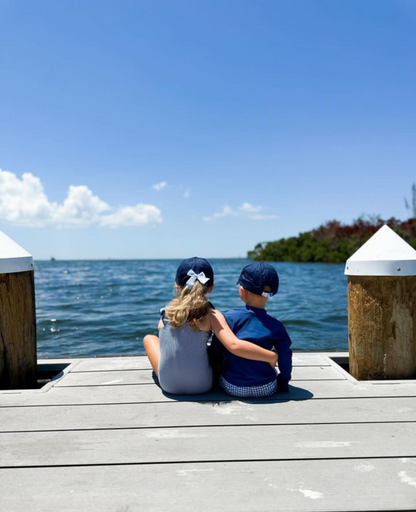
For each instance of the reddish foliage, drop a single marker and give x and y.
(363, 228)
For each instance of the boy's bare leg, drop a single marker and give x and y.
(152, 347)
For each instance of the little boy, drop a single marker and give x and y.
(243, 377)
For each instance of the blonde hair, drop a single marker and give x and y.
(190, 305)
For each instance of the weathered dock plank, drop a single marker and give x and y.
(308, 485)
(122, 377)
(91, 441)
(151, 393)
(141, 363)
(207, 444)
(174, 414)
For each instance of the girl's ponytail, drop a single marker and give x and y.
(190, 305)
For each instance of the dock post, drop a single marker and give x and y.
(382, 308)
(17, 317)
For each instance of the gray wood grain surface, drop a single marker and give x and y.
(151, 393)
(202, 444)
(140, 362)
(174, 414)
(120, 377)
(87, 442)
(299, 486)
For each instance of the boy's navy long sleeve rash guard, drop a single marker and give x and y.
(256, 325)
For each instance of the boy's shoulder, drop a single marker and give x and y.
(236, 315)
(236, 311)
(245, 312)
(275, 322)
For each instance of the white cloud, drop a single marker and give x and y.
(249, 208)
(133, 216)
(246, 210)
(158, 186)
(23, 202)
(225, 212)
(80, 207)
(187, 193)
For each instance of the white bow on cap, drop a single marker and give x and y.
(201, 277)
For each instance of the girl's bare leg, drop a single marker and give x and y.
(152, 347)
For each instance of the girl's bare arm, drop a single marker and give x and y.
(236, 346)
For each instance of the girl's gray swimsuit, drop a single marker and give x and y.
(183, 364)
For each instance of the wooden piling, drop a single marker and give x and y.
(382, 309)
(382, 327)
(17, 317)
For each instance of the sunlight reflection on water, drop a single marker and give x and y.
(106, 307)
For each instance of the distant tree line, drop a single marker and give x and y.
(333, 242)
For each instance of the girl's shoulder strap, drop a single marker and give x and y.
(163, 316)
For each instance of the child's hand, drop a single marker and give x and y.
(282, 386)
(273, 359)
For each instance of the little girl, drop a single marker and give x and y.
(179, 356)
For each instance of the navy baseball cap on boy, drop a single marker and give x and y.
(257, 276)
(197, 265)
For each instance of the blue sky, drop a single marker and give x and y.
(171, 128)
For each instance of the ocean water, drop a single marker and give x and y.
(92, 308)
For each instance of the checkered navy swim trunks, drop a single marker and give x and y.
(249, 391)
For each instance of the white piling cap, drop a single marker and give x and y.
(384, 254)
(13, 258)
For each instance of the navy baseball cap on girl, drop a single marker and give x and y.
(258, 276)
(193, 269)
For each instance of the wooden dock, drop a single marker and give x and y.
(103, 437)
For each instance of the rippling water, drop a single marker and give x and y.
(87, 308)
